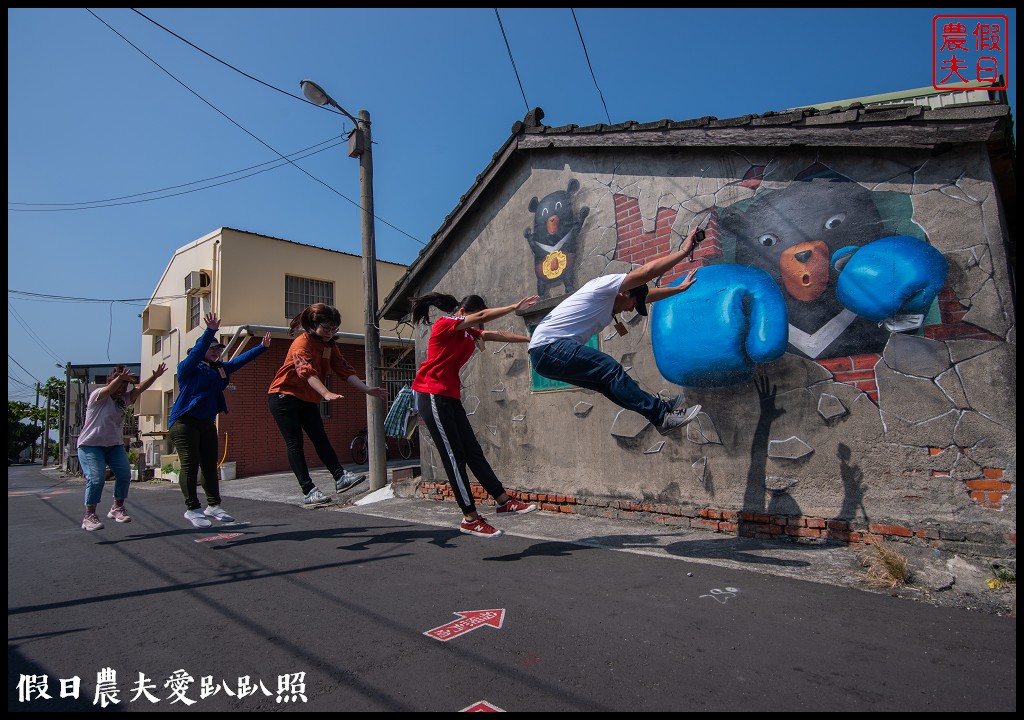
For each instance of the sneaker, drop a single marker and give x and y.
(90, 522)
(118, 513)
(217, 512)
(479, 527)
(315, 497)
(516, 507)
(677, 418)
(197, 518)
(347, 480)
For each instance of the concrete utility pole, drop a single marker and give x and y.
(360, 145)
(32, 452)
(374, 405)
(46, 428)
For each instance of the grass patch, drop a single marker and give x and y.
(884, 566)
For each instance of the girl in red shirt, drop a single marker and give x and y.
(453, 338)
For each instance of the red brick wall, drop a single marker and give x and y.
(252, 438)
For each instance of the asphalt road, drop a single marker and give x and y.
(330, 611)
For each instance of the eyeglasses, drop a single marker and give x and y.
(329, 328)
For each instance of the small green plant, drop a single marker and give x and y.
(133, 457)
(884, 567)
(168, 468)
(1001, 577)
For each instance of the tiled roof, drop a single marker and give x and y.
(883, 124)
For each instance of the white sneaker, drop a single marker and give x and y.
(216, 511)
(197, 518)
(677, 418)
(315, 497)
(347, 480)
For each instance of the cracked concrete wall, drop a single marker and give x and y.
(928, 442)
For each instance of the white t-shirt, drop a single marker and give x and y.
(585, 312)
(104, 421)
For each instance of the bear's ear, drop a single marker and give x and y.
(533, 204)
(574, 185)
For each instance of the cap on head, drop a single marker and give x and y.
(639, 295)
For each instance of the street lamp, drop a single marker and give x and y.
(359, 146)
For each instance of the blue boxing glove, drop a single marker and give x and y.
(894, 279)
(712, 334)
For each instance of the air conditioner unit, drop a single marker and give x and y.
(197, 282)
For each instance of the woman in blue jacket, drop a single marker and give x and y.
(202, 378)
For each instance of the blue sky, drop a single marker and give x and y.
(91, 118)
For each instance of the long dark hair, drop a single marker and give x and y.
(420, 306)
(314, 315)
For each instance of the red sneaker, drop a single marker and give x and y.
(516, 507)
(479, 527)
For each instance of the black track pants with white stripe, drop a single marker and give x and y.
(453, 436)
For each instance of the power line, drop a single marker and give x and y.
(22, 367)
(587, 56)
(69, 298)
(247, 132)
(214, 57)
(38, 340)
(194, 182)
(512, 59)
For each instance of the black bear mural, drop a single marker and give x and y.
(822, 268)
(556, 229)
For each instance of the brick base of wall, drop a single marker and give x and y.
(762, 526)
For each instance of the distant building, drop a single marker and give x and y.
(255, 284)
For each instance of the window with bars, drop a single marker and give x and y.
(397, 369)
(301, 292)
(195, 308)
(158, 344)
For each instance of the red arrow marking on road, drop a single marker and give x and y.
(482, 706)
(222, 536)
(471, 620)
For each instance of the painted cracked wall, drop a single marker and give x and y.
(908, 425)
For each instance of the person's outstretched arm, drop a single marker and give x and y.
(501, 336)
(479, 318)
(659, 266)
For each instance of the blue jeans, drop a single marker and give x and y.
(570, 362)
(94, 460)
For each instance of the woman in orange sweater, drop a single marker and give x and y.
(299, 386)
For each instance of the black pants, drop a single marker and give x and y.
(293, 417)
(195, 441)
(449, 427)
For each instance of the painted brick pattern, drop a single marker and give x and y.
(762, 526)
(855, 370)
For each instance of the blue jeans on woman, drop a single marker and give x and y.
(94, 460)
(570, 362)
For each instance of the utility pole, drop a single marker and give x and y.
(46, 427)
(32, 452)
(374, 406)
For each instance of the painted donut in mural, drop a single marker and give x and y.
(556, 229)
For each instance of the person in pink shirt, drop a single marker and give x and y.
(453, 338)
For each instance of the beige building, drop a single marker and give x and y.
(255, 284)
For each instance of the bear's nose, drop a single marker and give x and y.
(804, 255)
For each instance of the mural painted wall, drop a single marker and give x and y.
(850, 337)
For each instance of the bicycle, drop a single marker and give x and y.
(359, 448)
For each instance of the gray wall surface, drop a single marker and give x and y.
(902, 434)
